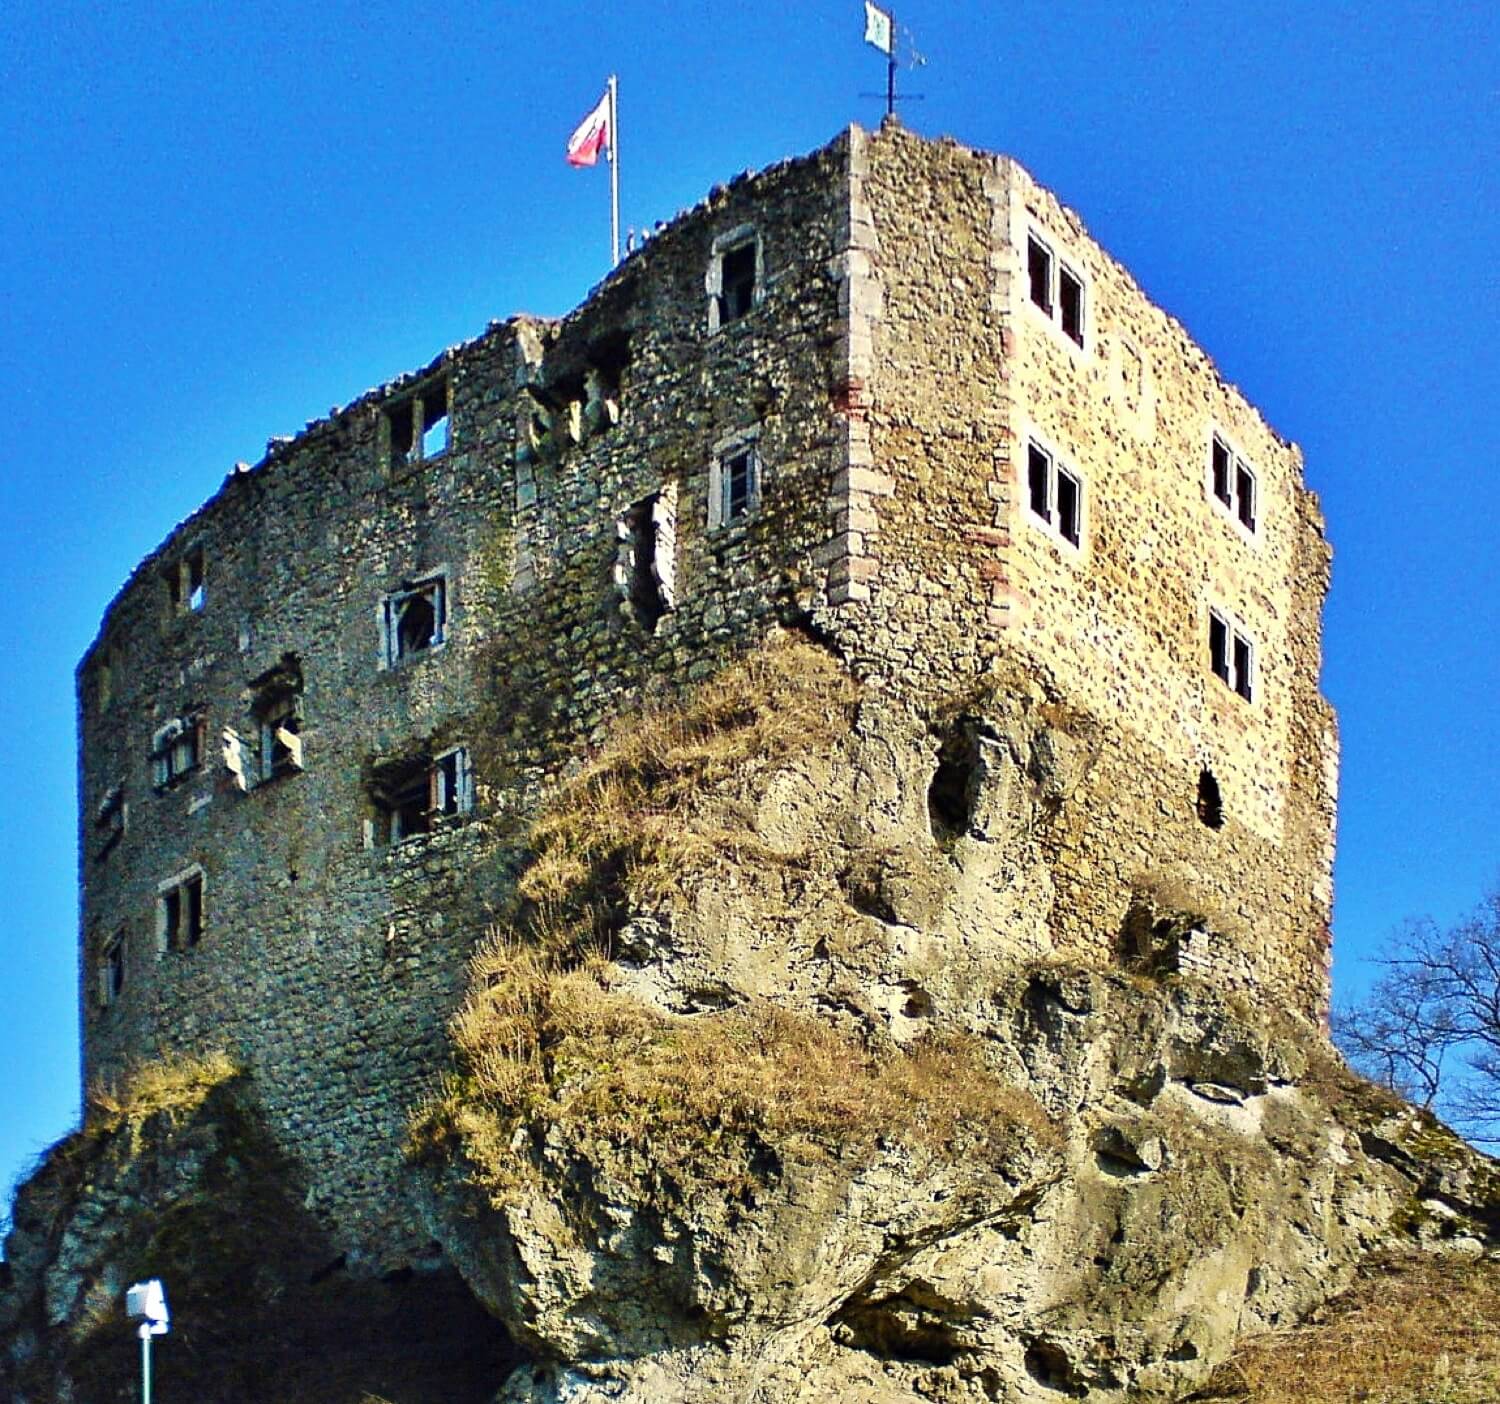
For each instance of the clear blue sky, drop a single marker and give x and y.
(220, 220)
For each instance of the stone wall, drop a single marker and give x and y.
(970, 373)
(807, 401)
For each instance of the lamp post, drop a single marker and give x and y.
(146, 1302)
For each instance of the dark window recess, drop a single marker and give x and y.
(739, 484)
(1038, 478)
(1245, 493)
(1210, 801)
(176, 751)
(643, 588)
(1068, 498)
(1218, 647)
(109, 821)
(112, 970)
(737, 283)
(1222, 472)
(1242, 666)
(186, 582)
(1039, 273)
(1070, 303)
(403, 431)
(411, 797)
(415, 619)
(1231, 655)
(182, 914)
(196, 589)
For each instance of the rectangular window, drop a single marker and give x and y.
(419, 425)
(1039, 481)
(415, 618)
(109, 821)
(176, 750)
(1039, 273)
(734, 482)
(112, 969)
(180, 912)
(738, 296)
(733, 281)
(1231, 655)
(644, 567)
(1070, 303)
(187, 583)
(1223, 475)
(1069, 505)
(415, 796)
(1232, 482)
(1054, 494)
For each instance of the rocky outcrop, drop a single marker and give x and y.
(177, 1178)
(1042, 1179)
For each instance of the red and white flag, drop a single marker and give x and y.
(592, 136)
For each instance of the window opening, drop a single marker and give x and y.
(739, 484)
(280, 735)
(196, 594)
(641, 546)
(1054, 494)
(1245, 494)
(1069, 493)
(420, 425)
(1210, 801)
(1070, 303)
(1231, 655)
(176, 750)
(414, 796)
(1232, 482)
(1039, 273)
(435, 421)
(738, 295)
(109, 821)
(1039, 477)
(415, 619)
(112, 969)
(186, 583)
(182, 913)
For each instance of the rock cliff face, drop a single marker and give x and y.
(774, 1087)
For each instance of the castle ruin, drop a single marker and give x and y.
(891, 393)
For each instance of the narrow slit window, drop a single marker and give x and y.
(1210, 801)
(197, 594)
(1218, 647)
(112, 969)
(1245, 496)
(1038, 480)
(435, 421)
(1070, 303)
(1039, 273)
(1221, 468)
(1069, 495)
(176, 750)
(1242, 666)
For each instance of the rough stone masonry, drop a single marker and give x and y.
(890, 394)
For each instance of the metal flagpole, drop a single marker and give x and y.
(614, 169)
(890, 71)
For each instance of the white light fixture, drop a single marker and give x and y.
(146, 1302)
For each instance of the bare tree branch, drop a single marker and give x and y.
(1430, 1027)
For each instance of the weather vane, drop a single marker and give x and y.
(880, 31)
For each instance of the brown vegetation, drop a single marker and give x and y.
(1415, 1329)
(547, 1038)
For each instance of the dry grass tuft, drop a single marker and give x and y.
(1415, 1329)
(539, 1045)
(175, 1084)
(621, 821)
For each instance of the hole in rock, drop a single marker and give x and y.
(1050, 1367)
(953, 795)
